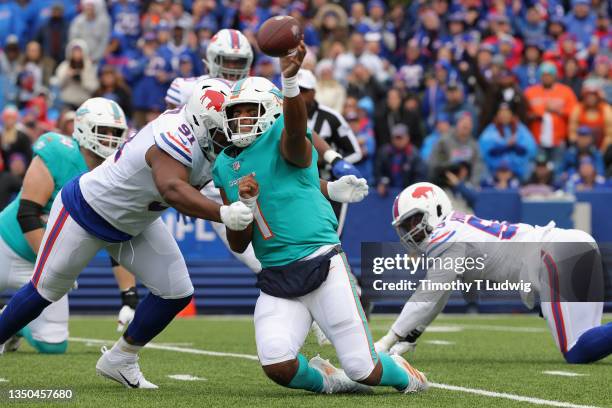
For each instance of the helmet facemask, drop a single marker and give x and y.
(107, 139)
(243, 130)
(231, 68)
(413, 229)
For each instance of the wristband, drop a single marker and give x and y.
(330, 156)
(290, 87)
(250, 202)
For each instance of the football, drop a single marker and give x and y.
(278, 36)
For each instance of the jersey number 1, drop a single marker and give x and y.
(262, 224)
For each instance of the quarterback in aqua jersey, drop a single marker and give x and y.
(271, 167)
(100, 127)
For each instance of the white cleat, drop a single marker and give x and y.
(418, 381)
(321, 337)
(335, 380)
(122, 368)
(12, 344)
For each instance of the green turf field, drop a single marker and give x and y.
(499, 354)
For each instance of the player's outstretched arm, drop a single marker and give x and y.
(238, 240)
(37, 189)
(171, 179)
(295, 146)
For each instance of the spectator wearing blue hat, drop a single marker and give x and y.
(586, 178)
(581, 21)
(584, 144)
(398, 163)
(508, 140)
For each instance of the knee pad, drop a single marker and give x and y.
(357, 366)
(276, 350)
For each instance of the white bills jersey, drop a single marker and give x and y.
(122, 191)
(503, 245)
(181, 89)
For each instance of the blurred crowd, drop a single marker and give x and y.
(469, 94)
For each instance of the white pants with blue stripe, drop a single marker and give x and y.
(52, 324)
(152, 256)
(281, 325)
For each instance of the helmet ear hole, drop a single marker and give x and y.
(439, 210)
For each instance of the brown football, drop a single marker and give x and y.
(278, 36)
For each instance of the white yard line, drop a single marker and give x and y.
(186, 377)
(513, 397)
(170, 348)
(440, 342)
(563, 373)
(476, 391)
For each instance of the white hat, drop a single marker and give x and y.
(306, 79)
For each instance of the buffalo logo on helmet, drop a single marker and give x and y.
(421, 191)
(212, 99)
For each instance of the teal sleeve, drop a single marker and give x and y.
(216, 176)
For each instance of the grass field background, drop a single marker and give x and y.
(497, 353)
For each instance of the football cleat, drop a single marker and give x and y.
(122, 368)
(335, 380)
(418, 381)
(12, 344)
(321, 337)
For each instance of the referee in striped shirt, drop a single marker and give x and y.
(333, 129)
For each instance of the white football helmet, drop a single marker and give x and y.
(229, 55)
(203, 111)
(253, 90)
(416, 212)
(100, 126)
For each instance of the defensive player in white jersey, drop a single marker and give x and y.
(546, 258)
(117, 206)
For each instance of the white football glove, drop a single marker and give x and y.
(236, 216)
(386, 342)
(126, 315)
(347, 189)
(402, 347)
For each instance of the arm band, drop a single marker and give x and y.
(28, 216)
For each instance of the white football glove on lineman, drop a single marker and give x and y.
(236, 216)
(126, 315)
(390, 343)
(347, 189)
